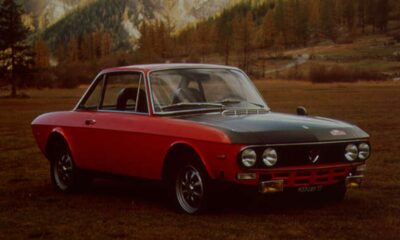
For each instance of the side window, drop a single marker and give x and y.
(124, 92)
(93, 100)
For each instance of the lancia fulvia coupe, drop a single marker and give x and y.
(192, 126)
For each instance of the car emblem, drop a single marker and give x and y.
(313, 156)
(336, 132)
(305, 127)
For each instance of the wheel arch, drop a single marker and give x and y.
(171, 160)
(55, 136)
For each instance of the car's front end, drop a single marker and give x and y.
(306, 167)
(277, 152)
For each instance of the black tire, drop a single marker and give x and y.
(65, 176)
(189, 185)
(334, 193)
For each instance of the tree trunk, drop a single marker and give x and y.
(227, 50)
(13, 82)
(13, 87)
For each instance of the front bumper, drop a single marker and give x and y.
(276, 180)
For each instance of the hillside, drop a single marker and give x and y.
(332, 40)
(44, 13)
(72, 19)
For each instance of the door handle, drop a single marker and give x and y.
(90, 122)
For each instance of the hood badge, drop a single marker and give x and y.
(306, 127)
(313, 156)
(337, 132)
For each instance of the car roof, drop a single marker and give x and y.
(165, 66)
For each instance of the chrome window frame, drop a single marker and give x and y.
(104, 75)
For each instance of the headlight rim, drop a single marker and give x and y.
(241, 158)
(348, 153)
(268, 163)
(360, 151)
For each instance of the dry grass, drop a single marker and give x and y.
(29, 208)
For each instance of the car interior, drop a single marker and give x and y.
(127, 97)
(189, 91)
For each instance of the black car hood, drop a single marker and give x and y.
(277, 128)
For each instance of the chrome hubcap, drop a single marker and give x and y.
(63, 170)
(189, 189)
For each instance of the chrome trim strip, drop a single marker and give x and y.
(138, 92)
(188, 66)
(198, 110)
(116, 111)
(299, 168)
(87, 90)
(252, 83)
(304, 143)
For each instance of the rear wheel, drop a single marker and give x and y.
(65, 176)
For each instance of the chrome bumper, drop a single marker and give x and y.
(354, 181)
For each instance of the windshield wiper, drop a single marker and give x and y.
(234, 100)
(191, 106)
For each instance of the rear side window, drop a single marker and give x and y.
(124, 92)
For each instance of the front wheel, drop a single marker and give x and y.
(191, 188)
(65, 176)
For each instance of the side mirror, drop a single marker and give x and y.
(302, 111)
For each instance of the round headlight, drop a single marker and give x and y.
(351, 152)
(270, 157)
(363, 151)
(249, 158)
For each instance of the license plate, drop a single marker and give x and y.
(309, 189)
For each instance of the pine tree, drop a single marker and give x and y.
(87, 47)
(302, 24)
(146, 42)
(328, 17)
(269, 31)
(248, 39)
(279, 20)
(61, 54)
(314, 18)
(224, 33)
(42, 57)
(349, 14)
(106, 44)
(16, 56)
(382, 9)
(73, 50)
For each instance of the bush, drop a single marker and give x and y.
(44, 78)
(73, 74)
(337, 73)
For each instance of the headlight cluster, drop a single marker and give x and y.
(360, 151)
(248, 157)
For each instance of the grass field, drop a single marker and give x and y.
(30, 209)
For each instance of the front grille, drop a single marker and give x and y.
(300, 178)
(301, 155)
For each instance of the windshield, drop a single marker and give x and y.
(206, 89)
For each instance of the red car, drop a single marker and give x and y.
(192, 125)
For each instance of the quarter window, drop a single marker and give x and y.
(94, 96)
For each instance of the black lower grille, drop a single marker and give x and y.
(300, 155)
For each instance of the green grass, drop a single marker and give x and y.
(30, 209)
